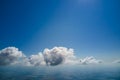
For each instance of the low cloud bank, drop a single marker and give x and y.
(116, 61)
(51, 57)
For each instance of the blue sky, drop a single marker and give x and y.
(90, 27)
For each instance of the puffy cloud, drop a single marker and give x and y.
(90, 60)
(10, 55)
(58, 55)
(36, 60)
(54, 56)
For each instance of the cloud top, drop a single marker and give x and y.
(57, 55)
(10, 55)
(51, 57)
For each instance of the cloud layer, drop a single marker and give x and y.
(116, 61)
(51, 57)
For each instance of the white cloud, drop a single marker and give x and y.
(36, 60)
(90, 60)
(58, 55)
(10, 55)
(54, 56)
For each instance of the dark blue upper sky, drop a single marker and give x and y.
(91, 27)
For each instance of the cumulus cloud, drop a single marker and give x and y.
(10, 55)
(54, 56)
(58, 55)
(36, 60)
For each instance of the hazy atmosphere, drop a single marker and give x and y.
(39, 35)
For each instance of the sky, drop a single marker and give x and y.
(90, 27)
